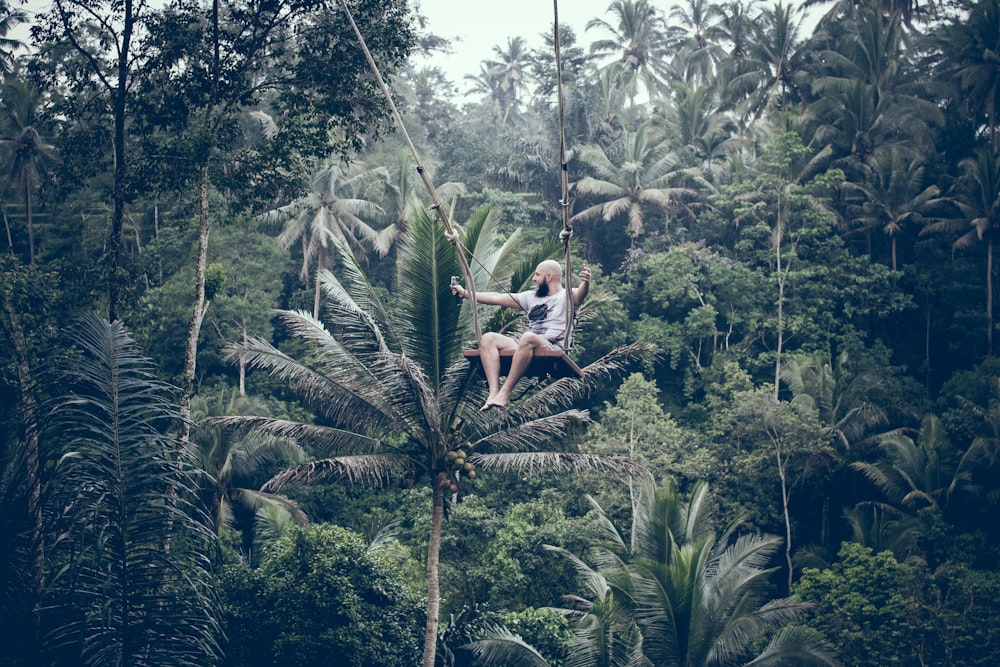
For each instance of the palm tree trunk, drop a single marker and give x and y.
(989, 297)
(198, 311)
(433, 585)
(30, 220)
(788, 519)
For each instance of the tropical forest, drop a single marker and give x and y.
(242, 418)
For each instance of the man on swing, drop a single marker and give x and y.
(546, 309)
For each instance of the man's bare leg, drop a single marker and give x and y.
(518, 365)
(489, 357)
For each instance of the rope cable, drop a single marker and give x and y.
(435, 202)
(567, 230)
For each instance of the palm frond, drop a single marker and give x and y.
(535, 463)
(121, 492)
(370, 469)
(500, 646)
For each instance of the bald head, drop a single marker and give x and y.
(552, 267)
(548, 278)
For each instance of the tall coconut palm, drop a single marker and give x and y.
(971, 50)
(768, 78)
(397, 397)
(864, 102)
(696, 21)
(896, 196)
(637, 173)
(510, 68)
(26, 150)
(333, 213)
(675, 593)
(978, 199)
(637, 40)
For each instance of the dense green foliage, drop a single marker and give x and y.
(317, 592)
(792, 237)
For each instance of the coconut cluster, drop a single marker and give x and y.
(457, 460)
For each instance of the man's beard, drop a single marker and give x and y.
(542, 291)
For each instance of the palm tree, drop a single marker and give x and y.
(895, 195)
(704, 127)
(637, 41)
(397, 397)
(978, 199)
(509, 69)
(925, 473)
(631, 176)
(333, 212)
(122, 492)
(9, 19)
(675, 593)
(768, 77)
(845, 409)
(226, 458)
(696, 21)
(25, 148)
(402, 193)
(864, 104)
(971, 61)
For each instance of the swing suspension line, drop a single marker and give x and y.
(451, 233)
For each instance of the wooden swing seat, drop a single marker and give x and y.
(544, 363)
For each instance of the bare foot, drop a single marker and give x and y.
(498, 401)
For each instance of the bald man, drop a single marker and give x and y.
(546, 309)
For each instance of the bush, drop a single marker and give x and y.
(320, 597)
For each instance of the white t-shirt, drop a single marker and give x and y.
(546, 315)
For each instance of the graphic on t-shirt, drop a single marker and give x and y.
(536, 318)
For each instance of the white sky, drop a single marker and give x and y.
(480, 25)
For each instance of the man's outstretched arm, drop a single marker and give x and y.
(489, 298)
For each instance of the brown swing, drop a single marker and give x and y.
(545, 363)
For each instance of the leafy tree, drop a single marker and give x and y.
(131, 580)
(695, 303)
(637, 426)
(761, 428)
(89, 28)
(876, 610)
(319, 592)
(395, 395)
(223, 64)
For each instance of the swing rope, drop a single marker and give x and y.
(450, 232)
(564, 203)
